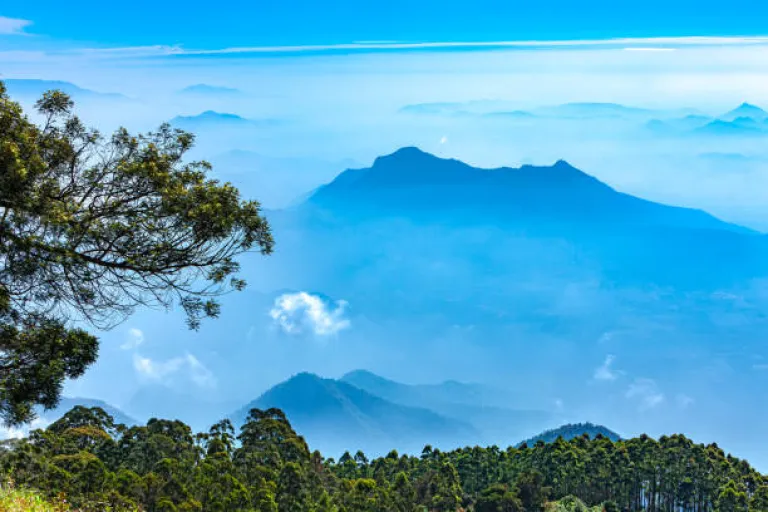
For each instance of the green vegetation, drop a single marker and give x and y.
(17, 500)
(92, 228)
(267, 467)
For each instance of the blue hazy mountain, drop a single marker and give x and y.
(572, 430)
(212, 120)
(210, 90)
(679, 125)
(425, 395)
(68, 403)
(335, 416)
(737, 127)
(414, 183)
(745, 110)
(33, 88)
(489, 410)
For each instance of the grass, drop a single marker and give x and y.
(19, 500)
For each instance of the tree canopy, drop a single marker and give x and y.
(92, 227)
(265, 466)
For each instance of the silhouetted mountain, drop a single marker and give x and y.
(32, 88)
(570, 431)
(211, 119)
(410, 182)
(745, 110)
(68, 403)
(210, 90)
(335, 416)
(491, 411)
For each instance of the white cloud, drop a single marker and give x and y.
(604, 371)
(296, 313)
(646, 392)
(443, 140)
(133, 339)
(165, 371)
(13, 26)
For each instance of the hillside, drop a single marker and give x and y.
(412, 183)
(571, 431)
(336, 416)
(492, 412)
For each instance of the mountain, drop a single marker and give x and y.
(424, 394)
(491, 411)
(210, 90)
(335, 416)
(34, 88)
(68, 403)
(570, 431)
(677, 125)
(738, 126)
(414, 183)
(212, 119)
(745, 110)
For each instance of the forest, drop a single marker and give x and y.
(93, 464)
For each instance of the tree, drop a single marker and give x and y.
(497, 498)
(92, 228)
(531, 490)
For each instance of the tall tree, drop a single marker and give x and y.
(93, 227)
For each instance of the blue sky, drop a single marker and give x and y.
(197, 24)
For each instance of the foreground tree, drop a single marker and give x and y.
(92, 228)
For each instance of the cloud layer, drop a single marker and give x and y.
(164, 371)
(302, 312)
(13, 26)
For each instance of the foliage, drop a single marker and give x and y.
(92, 227)
(267, 467)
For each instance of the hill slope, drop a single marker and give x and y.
(570, 431)
(335, 416)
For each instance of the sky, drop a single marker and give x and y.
(338, 79)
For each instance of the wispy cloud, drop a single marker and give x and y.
(13, 26)
(646, 392)
(659, 44)
(133, 339)
(165, 371)
(605, 371)
(296, 313)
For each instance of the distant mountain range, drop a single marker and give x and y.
(33, 88)
(570, 431)
(210, 90)
(211, 119)
(335, 416)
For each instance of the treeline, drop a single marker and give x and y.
(267, 467)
